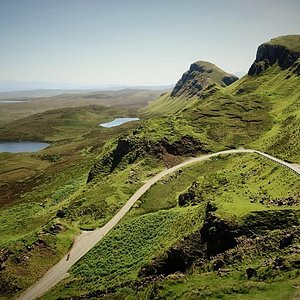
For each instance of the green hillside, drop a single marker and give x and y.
(157, 251)
(291, 42)
(261, 110)
(224, 228)
(201, 80)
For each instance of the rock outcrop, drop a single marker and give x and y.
(129, 149)
(222, 242)
(269, 54)
(200, 77)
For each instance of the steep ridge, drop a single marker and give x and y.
(202, 75)
(199, 82)
(285, 51)
(253, 111)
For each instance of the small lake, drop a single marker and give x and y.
(17, 147)
(12, 101)
(118, 121)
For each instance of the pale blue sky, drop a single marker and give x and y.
(134, 42)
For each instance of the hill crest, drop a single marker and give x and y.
(201, 75)
(283, 50)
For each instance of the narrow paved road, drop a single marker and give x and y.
(87, 240)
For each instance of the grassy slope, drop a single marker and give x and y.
(129, 246)
(59, 124)
(257, 111)
(147, 231)
(247, 109)
(243, 177)
(166, 104)
(243, 119)
(75, 138)
(35, 186)
(283, 96)
(290, 41)
(261, 111)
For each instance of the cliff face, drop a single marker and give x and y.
(268, 55)
(128, 150)
(200, 77)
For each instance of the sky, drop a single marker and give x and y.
(134, 42)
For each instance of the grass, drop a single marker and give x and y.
(290, 41)
(231, 286)
(48, 188)
(167, 105)
(119, 256)
(249, 111)
(236, 183)
(157, 222)
(35, 186)
(129, 99)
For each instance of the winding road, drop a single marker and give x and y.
(87, 240)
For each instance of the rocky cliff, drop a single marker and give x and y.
(276, 51)
(201, 76)
(128, 150)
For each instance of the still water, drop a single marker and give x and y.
(16, 147)
(117, 122)
(12, 101)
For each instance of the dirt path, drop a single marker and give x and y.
(87, 240)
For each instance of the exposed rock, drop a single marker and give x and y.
(201, 76)
(4, 254)
(56, 228)
(279, 263)
(218, 235)
(61, 213)
(129, 149)
(2, 266)
(288, 201)
(218, 264)
(250, 272)
(187, 198)
(267, 55)
(259, 221)
(286, 241)
(214, 237)
(295, 264)
(178, 259)
(220, 243)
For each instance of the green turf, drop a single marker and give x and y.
(48, 188)
(156, 222)
(126, 248)
(290, 41)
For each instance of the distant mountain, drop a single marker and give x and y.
(39, 93)
(201, 80)
(20, 86)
